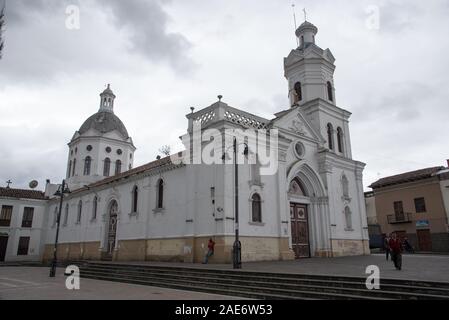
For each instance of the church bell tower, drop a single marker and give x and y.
(309, 69)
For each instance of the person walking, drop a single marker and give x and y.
(210, 251)
(407, 246)
(387, 246)
(396, 251)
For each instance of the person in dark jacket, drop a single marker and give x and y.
(387, 246)
(396, 251)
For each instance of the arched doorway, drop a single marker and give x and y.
(111, 230)
(309, 212)
(299, 221)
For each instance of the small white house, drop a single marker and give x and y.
(22, 224)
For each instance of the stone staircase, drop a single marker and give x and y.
(261, 285)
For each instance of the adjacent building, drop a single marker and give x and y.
(22, 224)
(415, 205)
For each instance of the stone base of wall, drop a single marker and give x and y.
(341, 248)
(193, 250)
(73, 251)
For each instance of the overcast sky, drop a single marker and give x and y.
(162, 57)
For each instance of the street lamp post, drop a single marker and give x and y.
(237, 248)
(61, 190)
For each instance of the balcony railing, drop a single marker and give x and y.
(220, 111)
(405, 217)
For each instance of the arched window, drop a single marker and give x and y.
(94, 208)
(345, 186)
(66, 214)
(107, 167)
(330, 138)
(70, 169)
(302, 40)
(160, 194)
(348, 218)
(298, 90)
(340, 139)
(74, 167)
(256, 208)
(330, 95)
(80, 211)
(87, 163)
(118, 167)
(135, 199)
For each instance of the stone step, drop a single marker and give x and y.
(226, 288)
(358, 280)
(286, 278)
(264, 284)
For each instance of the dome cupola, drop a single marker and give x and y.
(107, 100)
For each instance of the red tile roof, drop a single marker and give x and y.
(406, 177)
(125, 175)
(22, 193)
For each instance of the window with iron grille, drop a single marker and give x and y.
(24, 242)
(27, 220)
(5, 216)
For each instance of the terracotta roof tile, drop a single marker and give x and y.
(22, 193)
(406, 177)
(124, 175)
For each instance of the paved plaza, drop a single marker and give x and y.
(33, 283)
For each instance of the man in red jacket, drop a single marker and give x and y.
(210, 250)
(396, 251)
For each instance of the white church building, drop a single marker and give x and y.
(312, 205)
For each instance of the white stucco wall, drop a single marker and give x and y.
(15, 230)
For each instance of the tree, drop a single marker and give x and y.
(165, 150)
(2, 25)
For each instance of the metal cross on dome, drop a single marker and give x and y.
(8, 183)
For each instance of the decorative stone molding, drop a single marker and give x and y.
(298, 127)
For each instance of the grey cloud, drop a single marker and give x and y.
(399, 101)
(39, 47)
(146, 23)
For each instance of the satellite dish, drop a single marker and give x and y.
(33, 184)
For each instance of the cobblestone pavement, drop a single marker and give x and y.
(33, 283)
(424, 267)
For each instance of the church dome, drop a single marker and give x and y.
(104, 122)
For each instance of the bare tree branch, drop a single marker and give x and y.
(165, 150)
